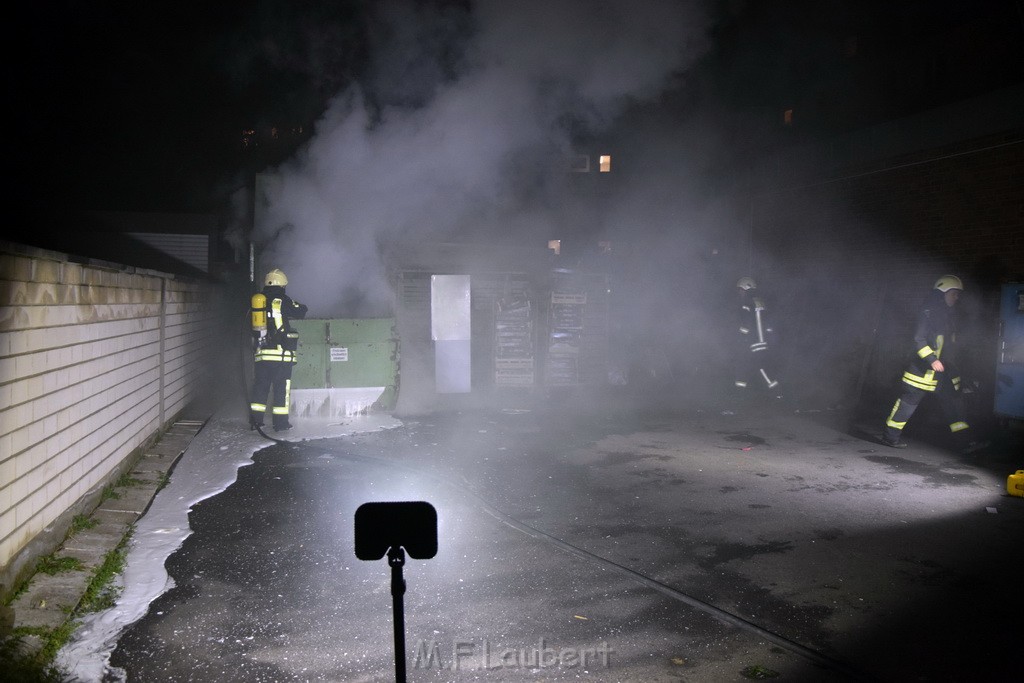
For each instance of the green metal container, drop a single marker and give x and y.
(348, 353)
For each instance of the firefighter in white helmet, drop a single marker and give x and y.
(276, 344)
(931, 369)
(755, 355)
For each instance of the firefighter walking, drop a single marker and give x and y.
(276, 344)
(932, 370)
(754, 362)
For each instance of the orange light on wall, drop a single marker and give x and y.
(555, 246)
(787, 117)
(606, 163)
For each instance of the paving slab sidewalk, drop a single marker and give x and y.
(50, 600)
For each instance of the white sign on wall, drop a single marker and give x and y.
(339, 353)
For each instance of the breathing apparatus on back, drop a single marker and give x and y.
(259, 310)
(259, 315)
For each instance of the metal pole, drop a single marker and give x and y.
(396, 558)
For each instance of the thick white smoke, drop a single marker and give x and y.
(479, 153)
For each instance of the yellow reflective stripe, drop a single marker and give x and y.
(283, 410)
(275, 313)
(956, 383)
(890, 422)
(939, 343)
(958, 426)
(258, 407)
(925, 351)
(926, 383)
(277, 354)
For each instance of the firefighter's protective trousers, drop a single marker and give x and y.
(906, 404)
(275, 378)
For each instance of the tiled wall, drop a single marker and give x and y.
(94, 361)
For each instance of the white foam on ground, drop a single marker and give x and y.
(209, 465)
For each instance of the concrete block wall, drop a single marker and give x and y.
(95, 360)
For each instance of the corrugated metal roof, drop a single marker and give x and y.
(192, 249)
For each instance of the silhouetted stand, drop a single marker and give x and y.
(394, 529)
(396, 558)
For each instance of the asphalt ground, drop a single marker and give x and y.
(605, 544)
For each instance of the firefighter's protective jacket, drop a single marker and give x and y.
(753, 324)
(281, 341)
(934, 339)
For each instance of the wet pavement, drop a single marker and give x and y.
(601, 544)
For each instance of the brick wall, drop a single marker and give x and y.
(850, 251)
(95, 361)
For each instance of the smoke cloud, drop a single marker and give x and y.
(461, 131)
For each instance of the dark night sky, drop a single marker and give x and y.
(140, 106)
(143, 104)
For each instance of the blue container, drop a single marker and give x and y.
(1009, 389)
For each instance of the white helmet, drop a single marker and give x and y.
(276, 277)
(948, 282)
(746, 283)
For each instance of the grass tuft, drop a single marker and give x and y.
(51, 565)
(757, 672)
(81, 523)
(102, 591)
(21, 664)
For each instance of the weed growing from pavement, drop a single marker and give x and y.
(124, 481)
(758, 672)
(52, 566)
(102, 593)
(33, 665)
(109, 493)
(162, 479)
(21, 664)
(81, 523)
(53, 639)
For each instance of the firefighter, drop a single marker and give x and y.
(754, 360)
(275, 344)
(932, 370)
